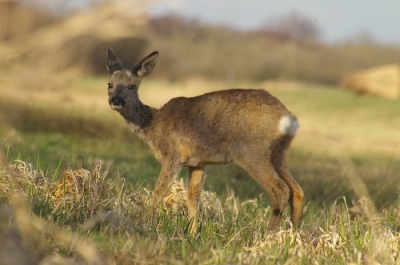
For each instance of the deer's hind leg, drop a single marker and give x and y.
(296, 198)
(258, 165)
(196, 178)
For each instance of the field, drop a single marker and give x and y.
(345, 156)
(75, 183)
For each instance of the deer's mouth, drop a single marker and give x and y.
(116, 107)
(117, 103)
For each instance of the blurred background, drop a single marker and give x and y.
(53, 99)
(229, 40)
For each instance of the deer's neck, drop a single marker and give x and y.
(140, 118)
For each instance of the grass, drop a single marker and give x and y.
(120, 231)
(340, 224)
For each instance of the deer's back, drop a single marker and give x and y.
(228, 113)
(208, 128)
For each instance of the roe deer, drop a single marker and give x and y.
(247, 126)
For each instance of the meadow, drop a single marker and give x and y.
(345, 156)
(75, 183)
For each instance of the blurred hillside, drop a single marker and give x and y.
(77, 43)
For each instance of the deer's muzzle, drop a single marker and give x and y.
(117, 102)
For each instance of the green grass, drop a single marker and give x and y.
(332, 234)
(322, 178)
(337, 227)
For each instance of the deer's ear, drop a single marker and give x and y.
(113, 63)
(145, 66)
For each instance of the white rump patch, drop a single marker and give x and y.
(288, 125)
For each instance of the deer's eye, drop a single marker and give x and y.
(132, 86)
(110, 85)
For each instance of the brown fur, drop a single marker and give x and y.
(236, 125)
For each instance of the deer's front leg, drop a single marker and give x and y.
(169, 172)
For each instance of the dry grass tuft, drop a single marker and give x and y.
(29, 238)
(80, 189)
(74, 184)
(176, 201)
(344, 239)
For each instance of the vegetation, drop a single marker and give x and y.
(343, 223)
(285, 48)
(112, 226)
(75, 183)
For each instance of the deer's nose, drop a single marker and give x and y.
(117, 101)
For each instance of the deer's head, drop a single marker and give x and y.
(123, 84)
